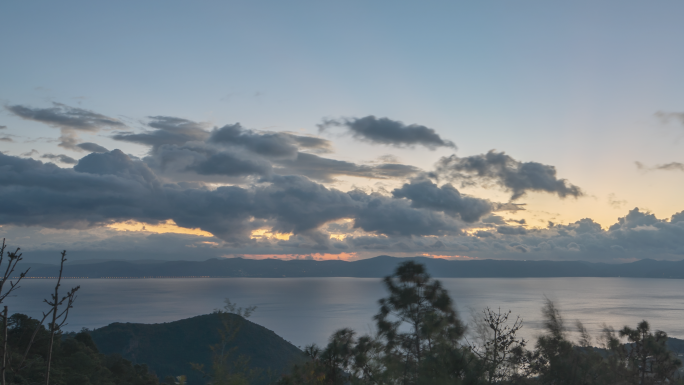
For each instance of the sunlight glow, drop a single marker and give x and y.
(312, 256)
(266, 233)
(169, 226)
(449, 257)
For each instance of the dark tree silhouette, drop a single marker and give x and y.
(499, 349)
(58, 318)
(13, 257)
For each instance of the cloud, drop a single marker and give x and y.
(30, 153)
(46, 195)
(388, 132)
(230, 181)
(201, 159)
(6, 139)
(91, 147)
(185, 150)
(70, 120)
(168, 130)
(270, 144)
(69, 140)
(3, 127)
(425, 194)
(615, 202)
(494, 220)
(396, 217)
(483, 234)
(324, 169)
(109, 187)
(666, 117)
(60, 158)
(511, 230)
(513, 175)
(176, 131)
(104, 188)
(678, 217)
(633, 219)
(230, 164)
(311, 143)
(106, 243)
(63, 116)
(509, 206)
(672, 166)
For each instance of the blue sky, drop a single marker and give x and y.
(574, 85)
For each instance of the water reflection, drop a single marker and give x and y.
(305, 310)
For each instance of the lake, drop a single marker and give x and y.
(306, 310)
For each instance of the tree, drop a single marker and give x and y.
(501, 352)
(557, 360)
(13, 257)
(76, 360)
(58, 318)
(229, 368)
(421, 306)
(645, 357)
(417, 341)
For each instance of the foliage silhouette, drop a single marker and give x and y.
(419, 340)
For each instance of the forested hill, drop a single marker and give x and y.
(368, 268)
(169, 348)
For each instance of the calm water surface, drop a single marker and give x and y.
(305, 310)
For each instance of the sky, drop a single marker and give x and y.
(329, 129)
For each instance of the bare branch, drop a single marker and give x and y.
(13, 257)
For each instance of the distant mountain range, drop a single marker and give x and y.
(368, 268)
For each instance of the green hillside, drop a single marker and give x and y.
(169, 348)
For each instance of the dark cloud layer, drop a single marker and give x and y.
(389, 132)
(420, 217)
(109, 187)
(229, 164)
(425, 194)
(511, 230)
(272, 180)
(64, 116)
(397, 218)
(513, 175)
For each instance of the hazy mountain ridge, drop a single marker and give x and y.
(377, 267)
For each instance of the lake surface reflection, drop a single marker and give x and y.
(305, 310)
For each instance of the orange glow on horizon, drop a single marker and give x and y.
(312, 256)
(449, 257)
